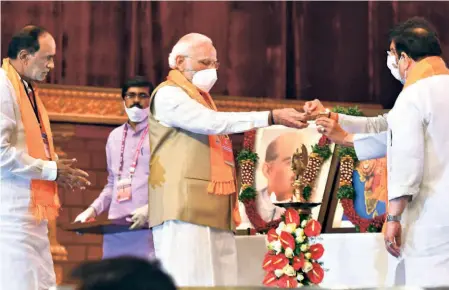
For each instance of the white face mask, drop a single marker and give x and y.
(135, 114)
(205, 79)
(393, 66)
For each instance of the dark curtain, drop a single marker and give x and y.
(286, 50)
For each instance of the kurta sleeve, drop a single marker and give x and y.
(354, 124)
(406, 152)
(370, 146)
(174, 108)
(12, 159)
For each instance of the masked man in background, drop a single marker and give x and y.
(126, 193)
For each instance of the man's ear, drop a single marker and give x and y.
(404, 56)
(266, 168)
(23, 55)
(180, 61)
(407, 59)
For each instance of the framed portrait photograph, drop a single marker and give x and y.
(274, 176)
(369, 180)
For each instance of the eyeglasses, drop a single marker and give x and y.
(142, 96)
(207, 62)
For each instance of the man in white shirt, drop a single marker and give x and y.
(417, 227)
(368, 135)
(193, 194)
(29, 169)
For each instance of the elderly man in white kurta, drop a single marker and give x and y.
(193, 204)
(29, 169)
(417, 230)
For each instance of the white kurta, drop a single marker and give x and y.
(25, 258)
(418, 165)
(370, 137)
(197, 255)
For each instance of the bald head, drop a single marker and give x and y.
(277, 165)
(415, 24)
(283, 146)
(420, 31)
(31, 51)
(26, 39)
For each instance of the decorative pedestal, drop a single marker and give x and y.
(303, 208)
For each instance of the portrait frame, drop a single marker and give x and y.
(335, 209)
(326, 188)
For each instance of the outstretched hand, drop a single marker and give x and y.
(332, 130)
(313, 109)
(290, 118)
(70, 177)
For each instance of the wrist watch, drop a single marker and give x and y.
(393, 218)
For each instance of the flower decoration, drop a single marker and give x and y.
(293, 254)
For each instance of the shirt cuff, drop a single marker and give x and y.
(49, 171)
(400, 191)
(261, 120)
(370, 146)
(97, 205)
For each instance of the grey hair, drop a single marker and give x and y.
(184, 44)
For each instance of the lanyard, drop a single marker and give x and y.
(32, 99)
(132, 169)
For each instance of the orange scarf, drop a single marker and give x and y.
(425, 68)
(223, 181)
(44, 194)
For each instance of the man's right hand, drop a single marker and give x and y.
(334, 132)
(290, 118)
(313, 108)
(69, 177)
(86, 215)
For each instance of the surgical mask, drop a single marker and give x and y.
(136, 114)
(205, 79)
(402, 80)
(393, 66)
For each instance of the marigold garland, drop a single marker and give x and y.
(345, 193)
(247, 160)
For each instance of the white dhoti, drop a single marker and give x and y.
(196, 256)
(25, 258)
(395, 272)
(426, 256)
